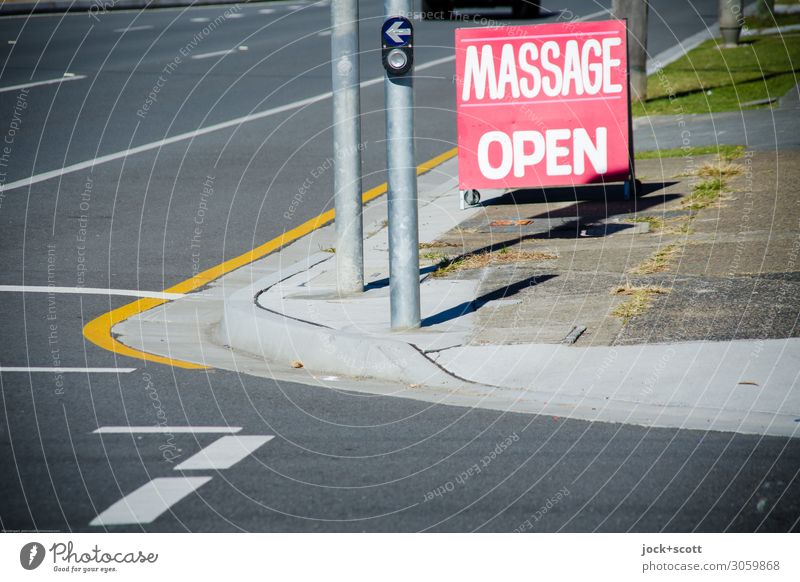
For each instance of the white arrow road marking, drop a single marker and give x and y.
(396, 33)
(90, 291)
(224, 453)
(39, 83)
(149, 501)
(52, 370)
(160, 429)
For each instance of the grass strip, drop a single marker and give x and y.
(710, 78)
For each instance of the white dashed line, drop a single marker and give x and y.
(223, 453)
(155, 429)
(134, 28)
(214, 54)
(149, 501)
(89, 291)
(325, 33)
(70, 77)
(267, 11)
(199, 19)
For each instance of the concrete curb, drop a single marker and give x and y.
(102, 6)
(250, 328)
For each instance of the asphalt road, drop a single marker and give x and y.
(338, 461)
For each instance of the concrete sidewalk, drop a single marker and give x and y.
(659, 311)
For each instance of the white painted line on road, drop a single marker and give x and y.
(235, 15)
(134, 28)
(153, 145)
(156, 429)
(71, 77)
(90, 291)
(214, 54)
(325, 33)
(149, 501)
(224, 453)
(267, 11)
(52, 370)
(199, 19)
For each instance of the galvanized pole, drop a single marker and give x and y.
(402, 199)
(635, 11)
(346, 147)
(730, 21)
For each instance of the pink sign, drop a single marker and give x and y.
(542, 105)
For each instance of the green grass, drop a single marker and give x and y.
(758, 21)
(640, 299)
(725, 152)
(654, 222)
(710, 79)
(658, 261)
(434, 257)
(704, 194)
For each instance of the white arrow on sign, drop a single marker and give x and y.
(396, 33)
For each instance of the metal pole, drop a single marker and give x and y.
(402, 199)
(346, 147)
(730, 21)
(635, 11)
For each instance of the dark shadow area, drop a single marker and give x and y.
(607, 193)
(592, 205)
(381, 283)
(470, 306)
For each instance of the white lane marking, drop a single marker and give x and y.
(325, 33)
(149, 501)
(12, 42)
(36, 178)
(224, 453)
(267, 11)
(214, 54)
(199, 19)
(162, 429)
(90, 291)
(235, 15)
(134, 28)
(64, 79)
(51, 369)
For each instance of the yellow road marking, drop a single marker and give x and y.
(98, 331)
